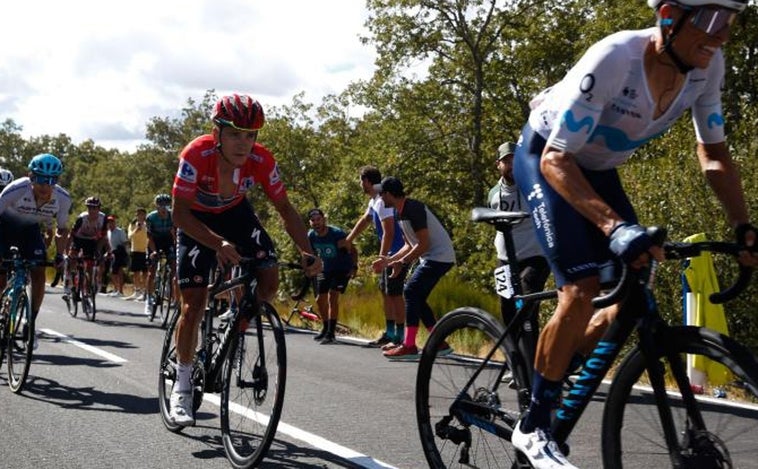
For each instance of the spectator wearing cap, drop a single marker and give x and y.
(118, 255)
(340, 261)
(428, 244)
(530, 263)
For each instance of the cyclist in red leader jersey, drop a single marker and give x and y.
(216, 223)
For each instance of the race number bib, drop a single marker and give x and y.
(503, 286)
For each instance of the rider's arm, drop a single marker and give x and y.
(719, 170)
(293, 224)
(194, 228)
(388, 234)
(563, 174)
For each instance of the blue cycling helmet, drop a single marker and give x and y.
(46, 164)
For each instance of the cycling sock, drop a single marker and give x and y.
(410, 336)
(544, 393)
(331, 326)
(183, 375)
(390, 328)
(399, 335)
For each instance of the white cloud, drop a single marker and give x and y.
(100, 70)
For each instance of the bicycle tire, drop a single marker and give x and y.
(440, 381)
(627, 441)
(20, 344)
(4, 327)
(163, 301)
(175, 308)
(167, 375)
(251, 405)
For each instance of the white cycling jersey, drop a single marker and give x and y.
(602, 110)
(17, 204)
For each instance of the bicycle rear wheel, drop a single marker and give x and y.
(167, 374)
(471, 428)
(632, 431)
(20, 344)
(72, 303)
(252, 396)
(85, 287)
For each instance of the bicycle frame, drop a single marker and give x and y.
(213, 363)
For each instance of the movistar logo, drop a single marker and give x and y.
(575, 126)
(715, 119)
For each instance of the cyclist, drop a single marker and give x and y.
(161, 237)
(627, 89)
(90, 236)
(216, 222)
(6, 177)
(26, 203)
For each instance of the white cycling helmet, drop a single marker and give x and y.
(736, 5)
(6, 177)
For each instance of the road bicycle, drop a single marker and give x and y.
(163, 301)
(16, 320)
(307, 317)
(466, 408)
(244, 359)
(85, 283)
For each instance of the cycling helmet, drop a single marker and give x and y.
(46, 164)
(6, 177)
(239, 111)
(92, 202)
(163, 200)
(736, 5)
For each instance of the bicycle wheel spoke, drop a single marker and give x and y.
(456, 424)
(253, 391)
(634, 432)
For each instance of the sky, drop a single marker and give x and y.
(100, 70)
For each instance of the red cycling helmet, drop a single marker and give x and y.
(240, 112)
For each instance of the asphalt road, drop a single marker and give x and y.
(91, 401)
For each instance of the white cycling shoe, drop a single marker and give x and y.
(540, 448)
(181, 408)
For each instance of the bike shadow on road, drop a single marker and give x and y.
(280, 455)
(87, 397)
(92, 341)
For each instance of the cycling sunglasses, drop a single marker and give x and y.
(711, 20)
(47, 180)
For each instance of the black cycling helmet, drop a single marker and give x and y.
(92, 202)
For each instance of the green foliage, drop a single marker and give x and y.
(453, 81)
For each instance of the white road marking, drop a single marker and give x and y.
(314, 440)
(107, 355)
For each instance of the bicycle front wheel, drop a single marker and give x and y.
(464, 426)
(20, 344)
(716, 432)
(252, 395)
(167, 374)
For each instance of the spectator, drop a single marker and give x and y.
(340, 263)
(390, 241)
(532, 266)
(426, 241)
(118, 255)
(138, 257)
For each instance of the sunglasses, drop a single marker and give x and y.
(231, 124)
(711, 20)
(46, 180)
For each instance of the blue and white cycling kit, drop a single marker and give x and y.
(600, 112)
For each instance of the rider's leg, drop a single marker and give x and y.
(193, 307)
(38, 289)
(559, 340)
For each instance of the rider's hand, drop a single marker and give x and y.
(312, 265)
(747, 236)
(630, 242)
(227, 254)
